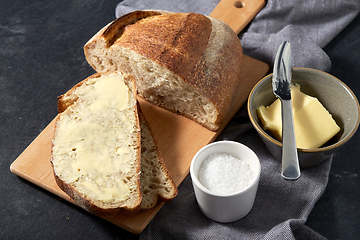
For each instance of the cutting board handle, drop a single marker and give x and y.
(237, 13)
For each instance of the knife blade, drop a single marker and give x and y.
(281, 84)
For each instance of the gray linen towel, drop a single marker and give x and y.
(281, 207)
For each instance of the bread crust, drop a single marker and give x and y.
(79, 199)
(176, 41)
(203, 51)
(117, 27)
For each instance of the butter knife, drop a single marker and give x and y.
(281, 84)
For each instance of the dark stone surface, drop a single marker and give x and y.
(337, 213)
(41, 57)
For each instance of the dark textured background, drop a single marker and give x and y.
(41, 57)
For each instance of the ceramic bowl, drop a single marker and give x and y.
(334, 95)
(225, 207)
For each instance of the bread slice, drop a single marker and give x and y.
(96, 150)
(156, 182)
(187, 63)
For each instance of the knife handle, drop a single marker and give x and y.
(290, 163)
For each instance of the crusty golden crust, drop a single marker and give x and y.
(117, 27)
(62, 103)
(65, 101)
(176, 41)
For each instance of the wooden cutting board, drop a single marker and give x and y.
(178, 140)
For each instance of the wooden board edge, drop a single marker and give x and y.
(237, 14)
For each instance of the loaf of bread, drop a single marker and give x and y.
(96, 151)
(156, 182)
(187, 63)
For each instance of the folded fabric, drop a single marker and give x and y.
(305, 52)
(281, 207)
(308, 25)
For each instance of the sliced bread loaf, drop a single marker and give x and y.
(156, 182)
(96, 150)
(187, 63)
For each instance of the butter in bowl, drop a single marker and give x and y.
(313, 124)
(330, 120)
(225, 177)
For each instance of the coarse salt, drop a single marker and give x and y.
(224, 173)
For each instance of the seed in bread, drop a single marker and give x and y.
(96, 146)
(187, 63)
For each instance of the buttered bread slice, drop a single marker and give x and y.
(96, 151)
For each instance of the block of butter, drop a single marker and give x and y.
(313, 124)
